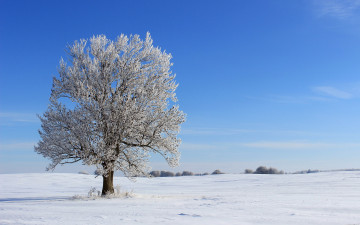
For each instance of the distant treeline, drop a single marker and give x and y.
(259, 170)
(264, 170)
(157, 173)
(307, 171)
(317, 171)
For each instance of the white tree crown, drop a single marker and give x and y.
(112, 107)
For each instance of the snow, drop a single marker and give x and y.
(321, 198)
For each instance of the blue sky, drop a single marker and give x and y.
(272, 83)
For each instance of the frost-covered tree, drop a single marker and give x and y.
(113, 105)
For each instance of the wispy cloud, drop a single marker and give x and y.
(271, 145)
(289, 99)
(317, 94)
(300, 145)
(18, 117)
(198, 146)
(333, 92)
(17, 146)
(214, 131)
(341, 9)
(288, 145)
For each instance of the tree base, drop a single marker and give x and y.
(108, 184)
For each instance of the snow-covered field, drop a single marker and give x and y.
(321, 198)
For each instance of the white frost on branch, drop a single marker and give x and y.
(112, 106)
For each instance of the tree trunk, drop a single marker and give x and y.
(108, 183)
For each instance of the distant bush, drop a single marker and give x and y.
(307, 171)
(178, 174)
(155, 173)
(249, 171)
(83, 172)
(97, 172)
(187, 173)
(166, 174)
(273, 171)
(264, 170)
(217, 172)
(161, 174)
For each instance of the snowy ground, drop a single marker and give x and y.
(322, 198)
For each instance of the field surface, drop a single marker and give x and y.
(308, 199)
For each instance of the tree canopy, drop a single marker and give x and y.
(112, 106)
